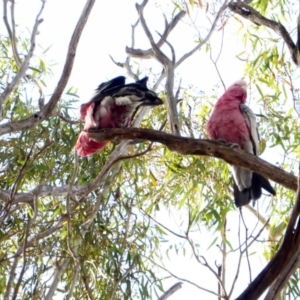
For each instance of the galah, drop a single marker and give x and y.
(234, 122)
(113, 106)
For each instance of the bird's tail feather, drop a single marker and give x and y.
(244, 197)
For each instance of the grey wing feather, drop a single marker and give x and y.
(250, 119)
(249, 185)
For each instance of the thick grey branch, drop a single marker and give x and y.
(291, 266)
(39, 191)
(284, 276)
(169, 66)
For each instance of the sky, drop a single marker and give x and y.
(107, 32)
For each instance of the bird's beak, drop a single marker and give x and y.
(244, 87)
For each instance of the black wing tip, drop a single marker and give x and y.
(151, 99)
(117, 81)
(152, 102)
(263, 182)
(143, 80)
(117, 84)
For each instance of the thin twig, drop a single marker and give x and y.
(16, 184)
(74, 280)
(25, 64)
(16, 289)
(87, 288)
(173, 289)
(224, 250)
(11, 32)
(163, 226)
(185, 280)
(205, 264)
(246, 245)
(208, 36)
(69, 224)
(242, 251)
(69, 121)
(215, 61)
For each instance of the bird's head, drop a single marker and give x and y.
(238, 90)
(240, 83)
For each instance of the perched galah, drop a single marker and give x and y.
(234, 122)
(114, 105)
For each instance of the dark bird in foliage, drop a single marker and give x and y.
(114, 105)
(234, 122)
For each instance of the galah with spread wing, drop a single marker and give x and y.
(113, 106)
(234, 122)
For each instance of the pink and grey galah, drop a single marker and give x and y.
(114, 105)
(234, 122)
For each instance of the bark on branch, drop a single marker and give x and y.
(189, 146)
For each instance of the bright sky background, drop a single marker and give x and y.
(108, 31)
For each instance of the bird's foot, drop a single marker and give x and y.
(233, 145)
(222, 141)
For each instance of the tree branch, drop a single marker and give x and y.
(173, 289)
(57, 275)
(182, 145)
(184, 280)
(147, 54)
(206, 39)
(189, 146)
(25, 64)
(249, 13)
(169, 66)
(46, 111)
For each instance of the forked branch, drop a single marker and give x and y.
(47, 109)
